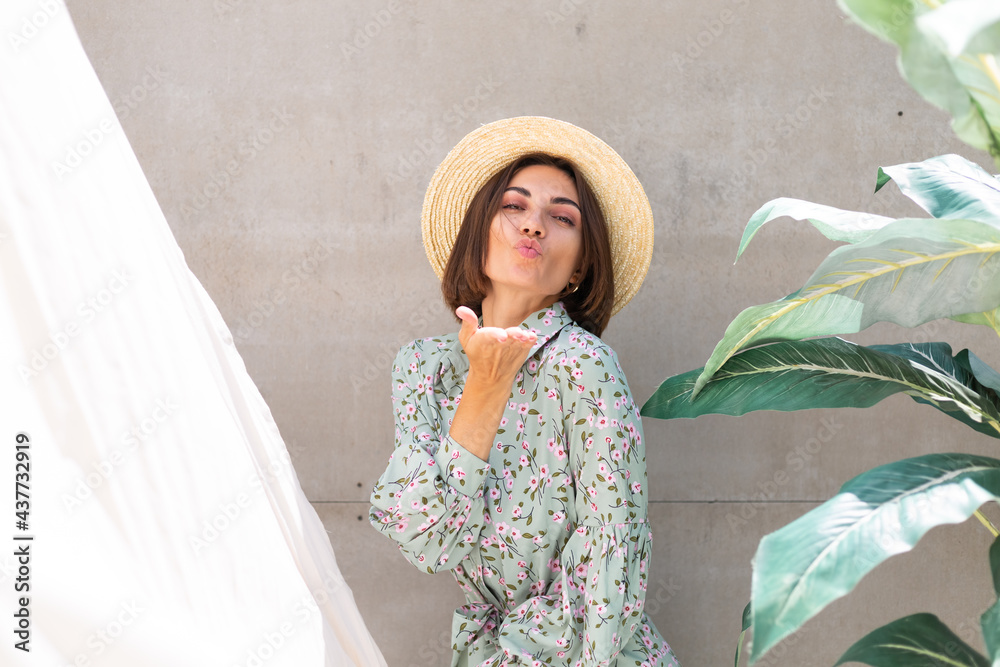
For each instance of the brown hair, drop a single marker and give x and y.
(465, 282)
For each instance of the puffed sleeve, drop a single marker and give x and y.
(430, 497)
(605, 563)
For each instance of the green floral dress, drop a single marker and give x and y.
(549, 540)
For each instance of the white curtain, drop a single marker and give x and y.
(163, 522)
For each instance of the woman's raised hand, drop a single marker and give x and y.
(495, 354)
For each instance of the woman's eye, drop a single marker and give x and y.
(564, 219)
(512, 207)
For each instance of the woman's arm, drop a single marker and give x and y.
(430, 497)
(429, 500)
(495, 356)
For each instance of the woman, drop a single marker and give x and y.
(519, 461)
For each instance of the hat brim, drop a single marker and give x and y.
(485, 151)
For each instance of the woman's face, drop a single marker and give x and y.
(536, 239)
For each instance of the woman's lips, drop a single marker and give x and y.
(529, 248)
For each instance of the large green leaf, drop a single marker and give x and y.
(947, 186)
(990, 620)
(909, 272)
(920, 640)
(835, 224)
(962, 395)
(966, 85)
(831, 373)
(821, 556)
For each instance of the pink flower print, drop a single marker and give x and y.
(522, 409)
(579, 388)
(455, 454)
(494, 493)
(616, 455)
(581, 571)
(521, 576)
(543, 470)
(421, 558)
(551, 444)
(547, 321)
(592, 491)
(400, 386)
(523, 460)
(537, 587)
(502, 528)
(558, 517)
(532, 365)
(503, 421)
(601, 405)
(602, 468)
(601, 609)
(410, 409)
(550, 312)
(537, 539)
(445, 402)
(515, 534)
(636, 487)
(520, 426)
(516, 512)
(413, 367)
(459, 473)
(602, 422)
(577, 374)
(560, 453)
(611, 478)
(647, 641)
(533, 482)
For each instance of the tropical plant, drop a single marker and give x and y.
(784, 355)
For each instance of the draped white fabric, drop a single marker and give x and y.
(167, 525)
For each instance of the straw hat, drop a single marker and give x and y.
(488, 149)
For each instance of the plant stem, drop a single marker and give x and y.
(986, 522)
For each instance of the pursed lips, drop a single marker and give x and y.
(528, 248)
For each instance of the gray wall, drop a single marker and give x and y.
(290, 152)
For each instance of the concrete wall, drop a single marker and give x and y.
(290, 152)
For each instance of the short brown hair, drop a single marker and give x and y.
(465, 282)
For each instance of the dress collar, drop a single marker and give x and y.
(546, 323)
